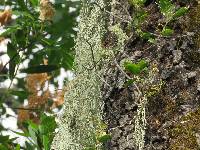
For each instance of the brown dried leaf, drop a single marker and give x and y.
(5, 17)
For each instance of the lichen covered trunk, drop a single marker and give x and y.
(83, 107)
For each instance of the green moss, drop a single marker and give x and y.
(183, 133)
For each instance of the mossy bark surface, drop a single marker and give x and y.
(173, 94)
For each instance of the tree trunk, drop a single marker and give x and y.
(160, 110)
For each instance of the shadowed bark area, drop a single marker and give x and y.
(173, 110)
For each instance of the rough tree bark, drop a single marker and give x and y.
(160, 112)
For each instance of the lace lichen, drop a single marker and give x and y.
(82, 101)
(151, 85)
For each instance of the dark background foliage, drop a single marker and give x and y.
(35, 40)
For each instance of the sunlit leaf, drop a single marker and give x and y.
(167, 31)
(146, 35)
(180, 12)
(46, 142)
(17, 147)
(167, 8)
(32, 129)
(48, 124)
(104, 138)
(135, 68)
(34, 2)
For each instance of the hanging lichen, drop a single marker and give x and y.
(83, 105)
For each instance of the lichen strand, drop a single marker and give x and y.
(185, 133)
(82, 101)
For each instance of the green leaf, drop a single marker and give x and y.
(34, 2)
(46, 129)
(17, 147)
(4, 139)
(67, 61)
(33, 133)
(146, 35)
(21, 133)
(3, 147)
(20, 94)
(135, 68)
(167, 31)
(14, 59)
(138, 2)
(90, 148)
(2, 109)
(104, 138)
(22, 5)
(32, 125)
(180, 12)
(167, 8)
(139, 18)
(152, 40)
(29, 146)
(10, 30)
(40, 69)
(48, 124)
(12, 66)
(129, 82)
(23, 13)
(46, 142)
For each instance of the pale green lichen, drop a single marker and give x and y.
(149, 83)
(122, 37)
(82, 102)
(140, 123)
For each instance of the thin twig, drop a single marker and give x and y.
(128, 14)
(22, 108)
(103, 80)
(14, 76)
(127, 21)
(9, 61)
(115, 61)
(94, 63)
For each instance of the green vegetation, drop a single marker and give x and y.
(136, 68)
(167, 9)
(41, 35)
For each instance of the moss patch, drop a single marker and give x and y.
(183, 134)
